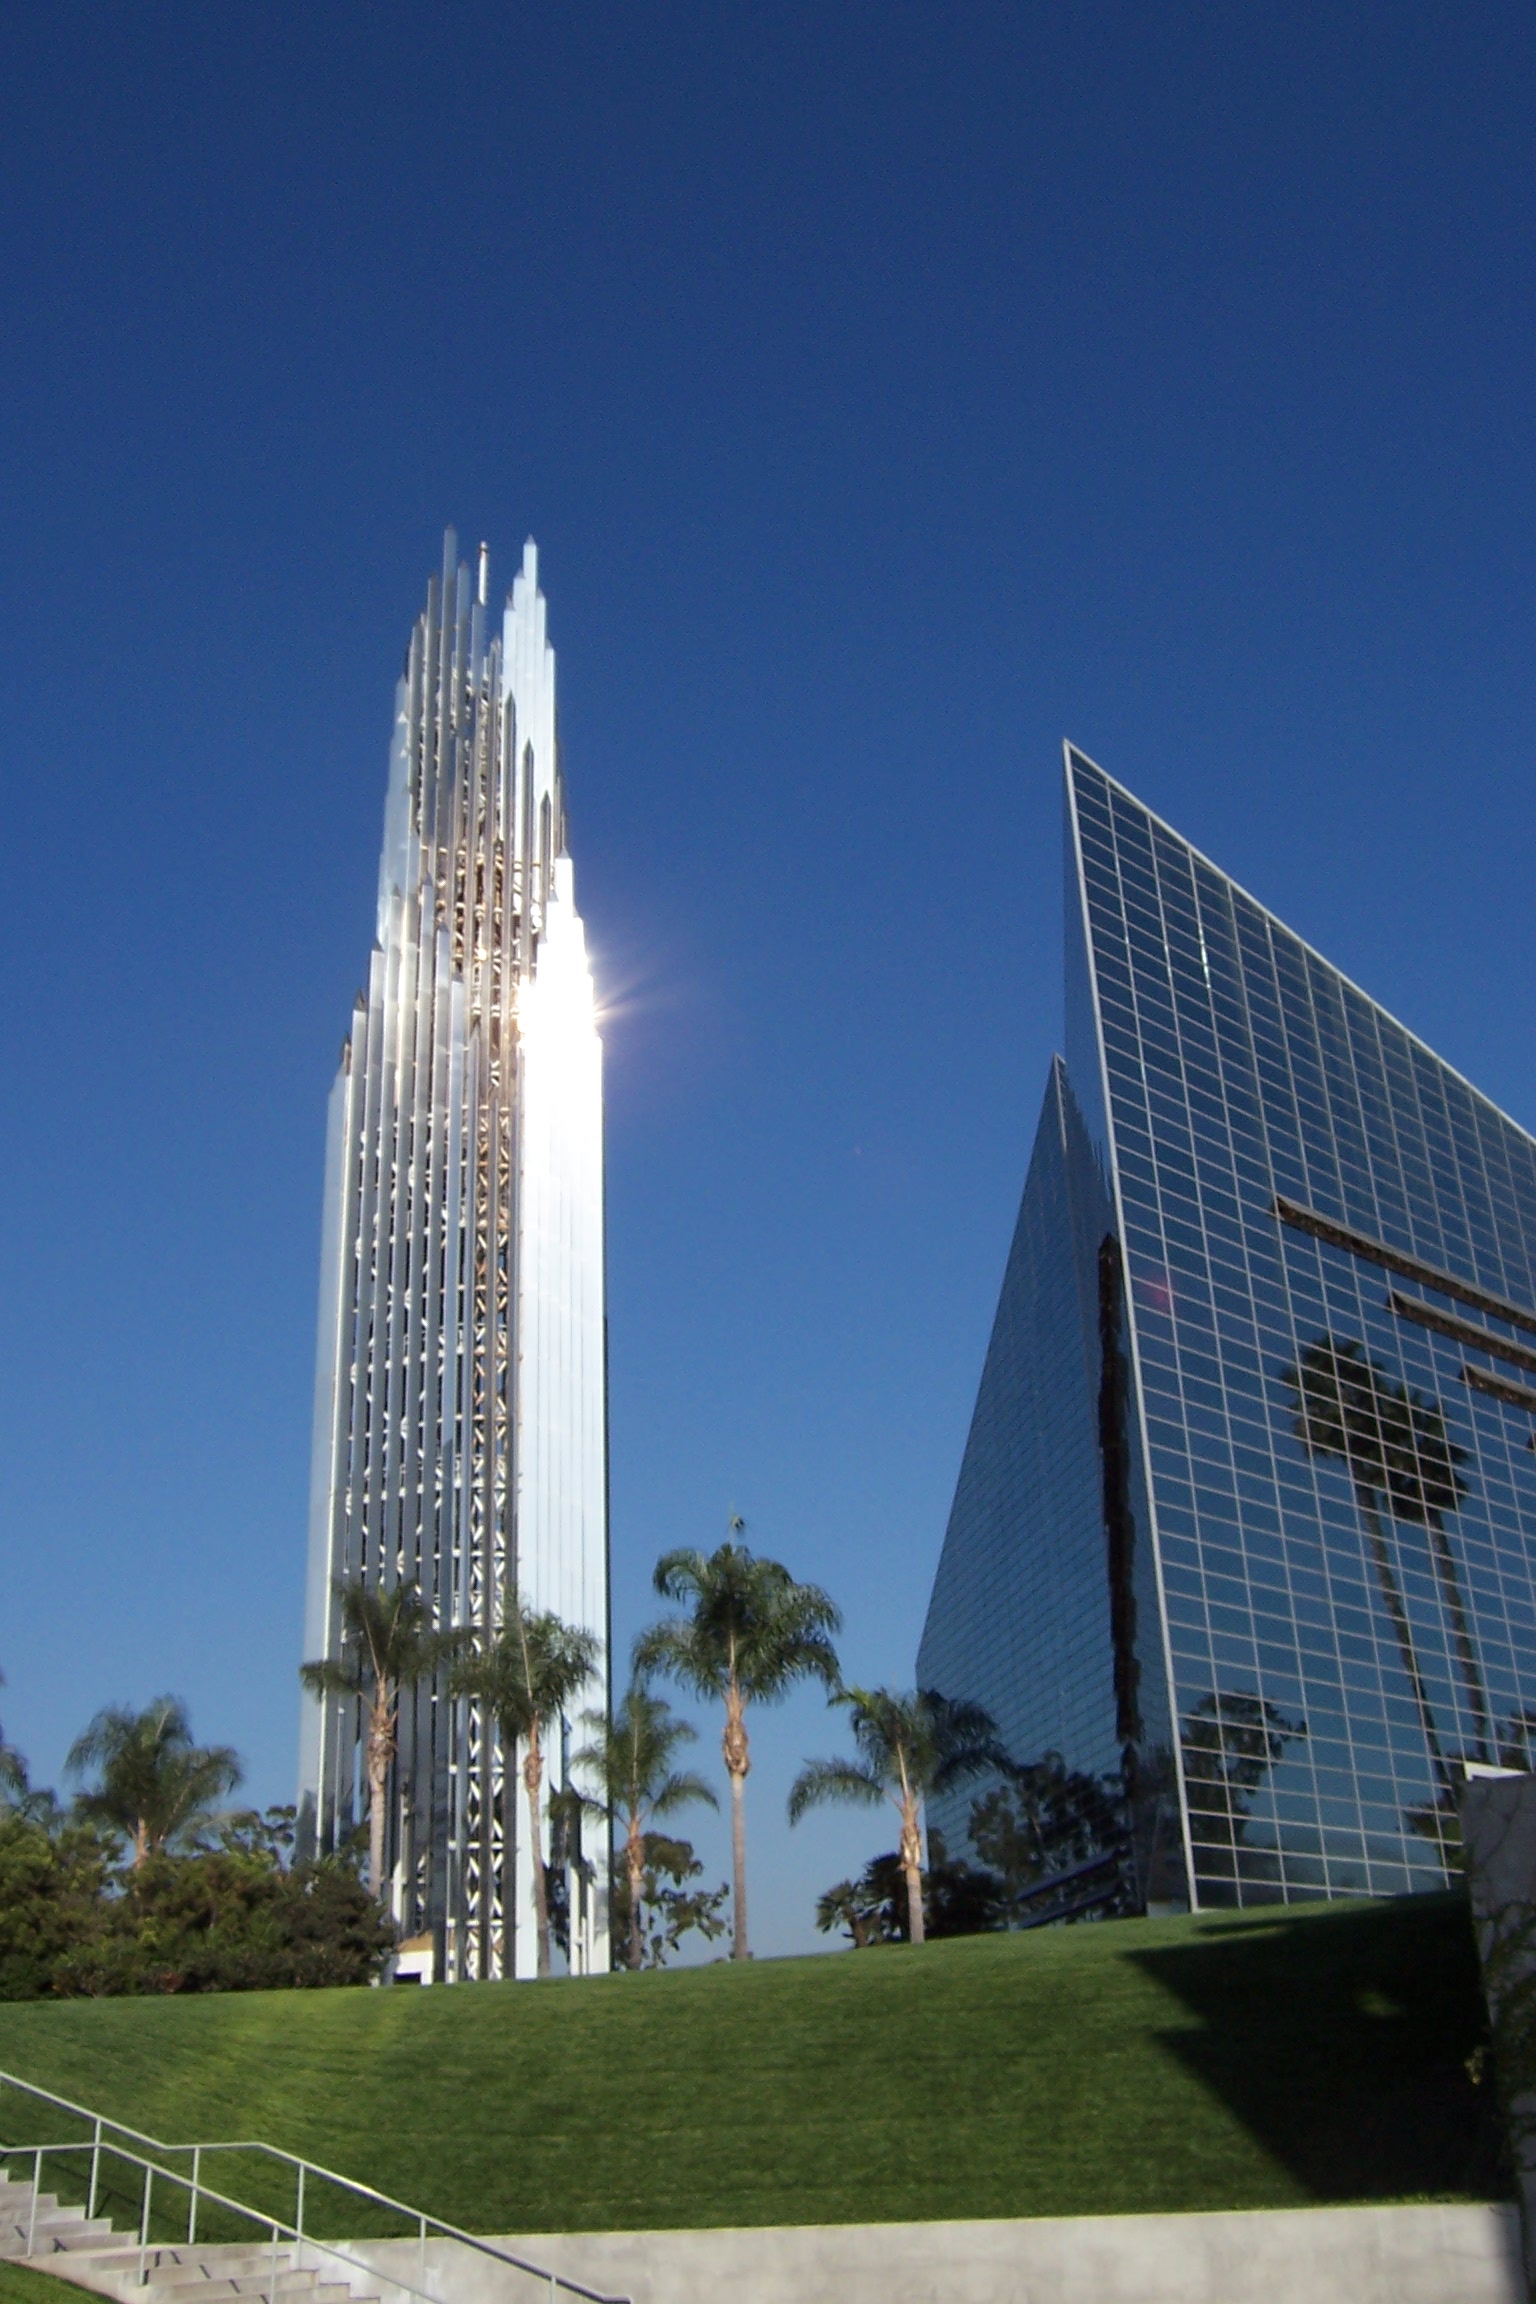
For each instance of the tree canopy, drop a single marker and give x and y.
(910, 1743)
(747, 1634)
(153, 1783)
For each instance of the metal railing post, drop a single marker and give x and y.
(561, 2290)
(149, 2182)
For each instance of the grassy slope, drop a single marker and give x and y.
(1243, 2060)
(19, 2286)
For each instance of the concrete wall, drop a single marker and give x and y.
(1417, 2255)
(1498, 1830)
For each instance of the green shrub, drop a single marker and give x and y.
(227, 1919)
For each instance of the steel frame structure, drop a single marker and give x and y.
(460, 1438)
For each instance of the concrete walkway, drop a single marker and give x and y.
(1410, 2255)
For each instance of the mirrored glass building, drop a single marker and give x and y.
(460, 1437)
(1245, 1527)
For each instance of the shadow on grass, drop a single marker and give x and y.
(1341, 2041)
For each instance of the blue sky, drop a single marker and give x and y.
(892, 392)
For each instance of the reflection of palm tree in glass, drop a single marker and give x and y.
(1404, 1463)
(1230, 1743)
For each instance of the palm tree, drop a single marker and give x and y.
(910, 1744)
(14, 1788)
(858, 1906)
(751, 1631)
(1403, 1463)
(526, 1679)
(155, 1784)
(631, 1757)
(388, 1644)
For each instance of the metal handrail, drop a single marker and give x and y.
(274, 2225)
(303, 2168)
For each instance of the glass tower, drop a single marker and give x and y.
(460, 1439)
(1246, 1520)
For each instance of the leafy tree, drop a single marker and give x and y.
(749, 1634)
(1230, 1744)
(1045, 1819)
(154, 1784)
(230, 1918)
(963, 1899)
(910, 1744)
(664, 1906)
(53, 1875)
(1404, 1465)
(631, 1757)
(252, 1832)
(959, 1900)
(862, 1908)
(527, 1678)
(388, 1645)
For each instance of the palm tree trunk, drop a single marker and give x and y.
(508, 1953)
(1455, 1601)
(1381, 1553)
(380, 1743)
(533, 1778)
(912, 1866)
(634, 1860)
(738, 1761)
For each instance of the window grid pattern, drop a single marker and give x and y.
(1019, 1616)
(1350, 1597)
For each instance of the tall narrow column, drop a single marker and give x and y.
(460, 1411)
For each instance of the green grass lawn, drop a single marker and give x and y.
(19, 2286)
(1248, 2060)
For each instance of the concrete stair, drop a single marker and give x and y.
(87, 2251)
(54, 2227)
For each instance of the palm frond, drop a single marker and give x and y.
(530, 1673)
(920, 1738)
(681, 1650)
(681, 1790)
(335, 1675)
(747, 1619)
(13, 1767)
(823, 1780)
(681, 1574)
(631, 1754)
(154, 1784)
(387, 1642)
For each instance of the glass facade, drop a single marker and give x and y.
(1283, 1579)
(1020, 1614)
